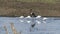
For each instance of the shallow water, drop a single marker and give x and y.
(48, 26)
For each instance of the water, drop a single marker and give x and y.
(48, 26)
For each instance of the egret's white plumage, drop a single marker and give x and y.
(45, 18)
(28, 17)
(38, 16)
(21, 17)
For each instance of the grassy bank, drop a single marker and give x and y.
(44, 1)
(22, 7)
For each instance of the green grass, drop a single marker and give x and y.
(45, 1)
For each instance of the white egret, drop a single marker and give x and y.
(28, 17)
(38, 16)
(21, 17)
(45, 18)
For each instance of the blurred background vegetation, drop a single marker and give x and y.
(44, 1)
(22, 7)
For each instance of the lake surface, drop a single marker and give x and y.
(23, 25)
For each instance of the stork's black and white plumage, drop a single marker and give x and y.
(32, 13)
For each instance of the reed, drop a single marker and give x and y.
(13, 28)
(6, 29)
